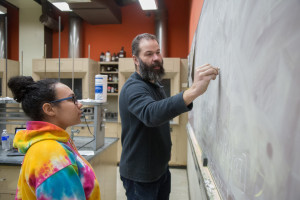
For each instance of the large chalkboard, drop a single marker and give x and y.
(247, 123)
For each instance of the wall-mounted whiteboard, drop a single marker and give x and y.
(248, 122)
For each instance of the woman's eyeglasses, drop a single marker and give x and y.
(74, 99)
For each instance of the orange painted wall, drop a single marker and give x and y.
(178, 27)
(13, 34)
(113, 36)
(64, 35)
(134, 21)
(12, 31)
(182, 22)
(195, 11)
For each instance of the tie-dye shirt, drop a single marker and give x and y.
(52, 167)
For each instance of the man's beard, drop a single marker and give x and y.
(148, 73)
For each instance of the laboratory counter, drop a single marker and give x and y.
(103, 161)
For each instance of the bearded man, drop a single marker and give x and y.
(145, 113)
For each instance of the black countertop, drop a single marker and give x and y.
(17, 160)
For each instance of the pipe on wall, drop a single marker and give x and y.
(161, 24)
(2, 37)
(75, 36)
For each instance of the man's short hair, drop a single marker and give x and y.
(135, 45)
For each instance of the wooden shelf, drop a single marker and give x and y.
(112, 94)
(109, 72)
(108, 63)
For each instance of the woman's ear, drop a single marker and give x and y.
(48, 109)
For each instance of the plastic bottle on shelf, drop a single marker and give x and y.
(102, 57)
(109, 78)
(113, 58)
(5, 140)
(115, 78)
(107, 56)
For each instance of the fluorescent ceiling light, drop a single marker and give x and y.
(148, 4)
(63, 6)
(70, 1)
(3, 10)
(74, 1)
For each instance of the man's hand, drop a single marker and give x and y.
(202, 77)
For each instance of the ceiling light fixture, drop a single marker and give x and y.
(63, 6)
(148, 4)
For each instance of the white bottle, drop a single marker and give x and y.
(101, 88)
(107, 56)
(5, 140)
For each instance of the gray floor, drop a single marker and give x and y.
(179, 185)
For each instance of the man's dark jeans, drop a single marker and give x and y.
(158, 190)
